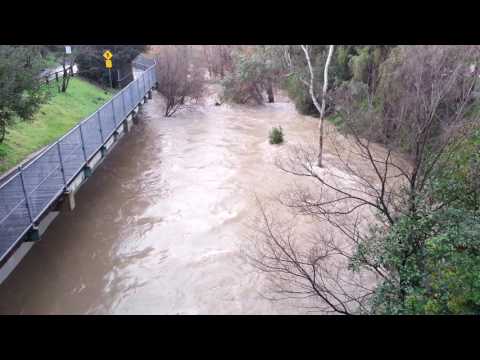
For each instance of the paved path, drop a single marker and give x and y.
(59, 70)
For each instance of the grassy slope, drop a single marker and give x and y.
(53, 119)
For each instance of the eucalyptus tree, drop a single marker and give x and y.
(320, 109)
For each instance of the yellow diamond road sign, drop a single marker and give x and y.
(107, 55)
(108, 64)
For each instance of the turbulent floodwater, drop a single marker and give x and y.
(159, 227)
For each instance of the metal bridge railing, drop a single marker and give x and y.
(28, 194)
(143, 63)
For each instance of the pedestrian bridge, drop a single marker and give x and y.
(33, 190)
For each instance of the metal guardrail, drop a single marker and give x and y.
(143, 63)
(28, 194)
(57, 75)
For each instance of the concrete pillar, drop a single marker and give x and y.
(33, 234)
(126, 128)
(87, 171)
(71, 200)
(149, 94)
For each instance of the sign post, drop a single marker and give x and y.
(108, 64)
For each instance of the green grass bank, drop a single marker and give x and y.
(52, 120)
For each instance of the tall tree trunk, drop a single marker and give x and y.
(320, 109)
(271, 99)
(65, 75)
(258, 95)
(3, 130)
(64, 79)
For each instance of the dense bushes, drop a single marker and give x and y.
(443, 278)
(252, 74)
(20, 91)
(92, 64)
(298, 93)
(358, 64)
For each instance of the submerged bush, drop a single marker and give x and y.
(276, 135)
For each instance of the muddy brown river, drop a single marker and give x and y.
(159, 227)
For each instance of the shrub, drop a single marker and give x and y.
(246, 82)
(180, 80)
(276, 135)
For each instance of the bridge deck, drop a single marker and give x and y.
(28, 194)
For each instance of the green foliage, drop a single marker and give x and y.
(359, 64)
(441, 274)
(403, 100)
(20, 91)
(276, 135)
(433, 253)
(248, 79)
(340, 65)
(298, 93)
(458, 182)
(337, 120)
(453, 264)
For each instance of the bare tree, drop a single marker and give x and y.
(427, 92)
(179, 76)
(320, 109)
(225, 57)
(207, 57)
(218, 59)
(306, 268)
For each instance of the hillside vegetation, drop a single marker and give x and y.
(53, 119)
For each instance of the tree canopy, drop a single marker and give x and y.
(20, 90)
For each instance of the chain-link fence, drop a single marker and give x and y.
(27, 195)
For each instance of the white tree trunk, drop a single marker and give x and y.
(320, 109)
